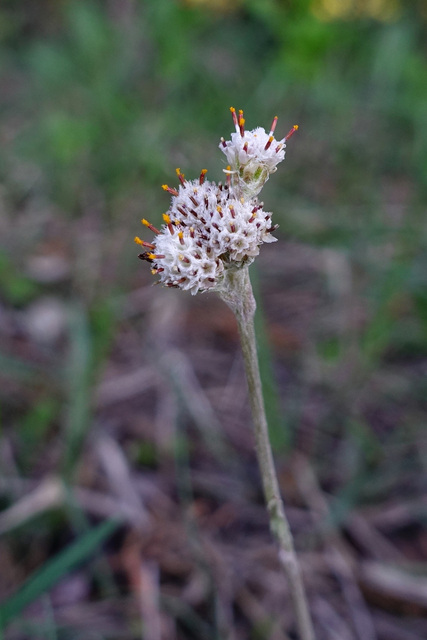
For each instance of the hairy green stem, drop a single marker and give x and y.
(237, 293)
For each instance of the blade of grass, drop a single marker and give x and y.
(278, 429)
(26, 372)
(79, 369)
(55, 569)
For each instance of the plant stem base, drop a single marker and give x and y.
(237, 293)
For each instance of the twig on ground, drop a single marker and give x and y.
(334, 625)
(116, 469)
(336, 553)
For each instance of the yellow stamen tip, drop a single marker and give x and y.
(296, 127)
(180, 234)
(145, 222)
(166, 218)
(204, 171)
(165, 187)
(178, 170)
(232, 109)
(151, 256)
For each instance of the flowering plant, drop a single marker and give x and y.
(211, 228)
(211, 234)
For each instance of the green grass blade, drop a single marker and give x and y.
(79, 371)
(277, 427)
(55, 569)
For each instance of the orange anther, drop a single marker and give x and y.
(149, 225)
(291, 132)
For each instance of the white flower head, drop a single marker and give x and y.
(206, 231)
(252, 155)
(212, 230)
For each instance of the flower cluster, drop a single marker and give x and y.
(210, 228)
(206, 230)
(253, 155)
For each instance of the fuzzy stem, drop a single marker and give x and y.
(237, 293)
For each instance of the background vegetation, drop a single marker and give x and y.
(131, 502)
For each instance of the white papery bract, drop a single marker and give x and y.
(250, 163)
(252, 155)
(207, 231)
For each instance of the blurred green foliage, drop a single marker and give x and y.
(100, 103)
(55, 569)
(14, 287)
(106, 100)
